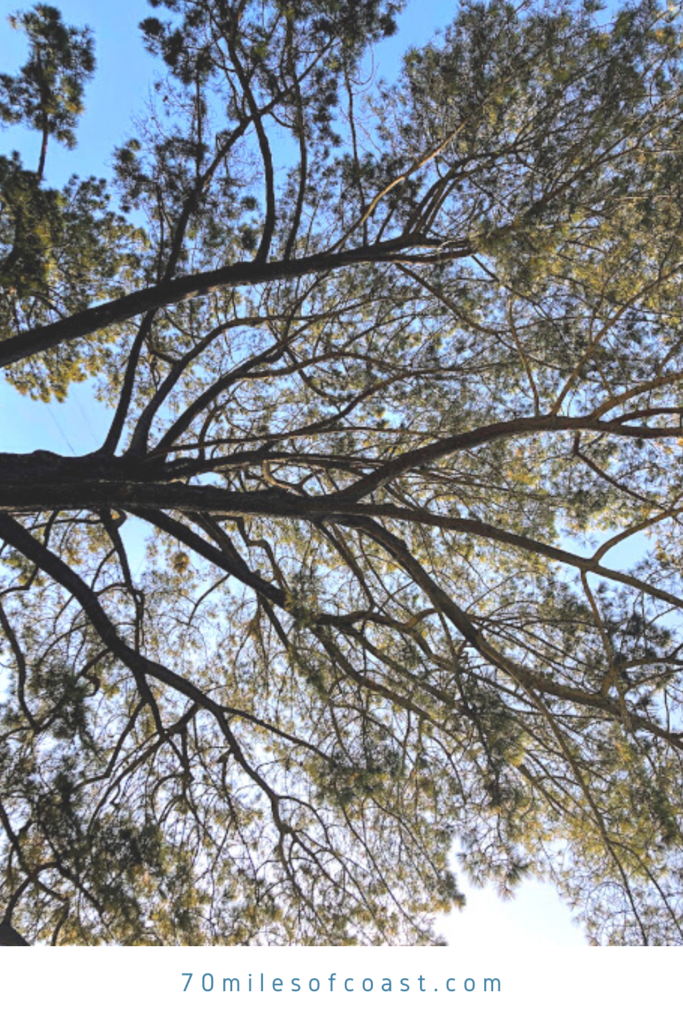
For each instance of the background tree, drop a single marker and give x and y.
(391, 380)
(47, 94)
(60, 250)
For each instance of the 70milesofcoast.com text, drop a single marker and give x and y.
(333, 983)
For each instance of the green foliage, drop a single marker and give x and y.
(60, 251)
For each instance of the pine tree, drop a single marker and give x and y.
(394, 378)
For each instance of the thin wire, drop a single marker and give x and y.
(56, 423)
(84, 417)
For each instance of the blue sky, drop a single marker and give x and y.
(119, 91)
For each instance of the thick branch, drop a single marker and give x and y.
(192, 286)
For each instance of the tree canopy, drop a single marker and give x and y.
(395, 376)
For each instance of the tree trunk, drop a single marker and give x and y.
(10, 937)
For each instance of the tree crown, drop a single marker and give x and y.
(394, 380)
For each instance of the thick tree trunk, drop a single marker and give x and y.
(10, 937)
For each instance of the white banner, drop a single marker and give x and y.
(265, 985)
